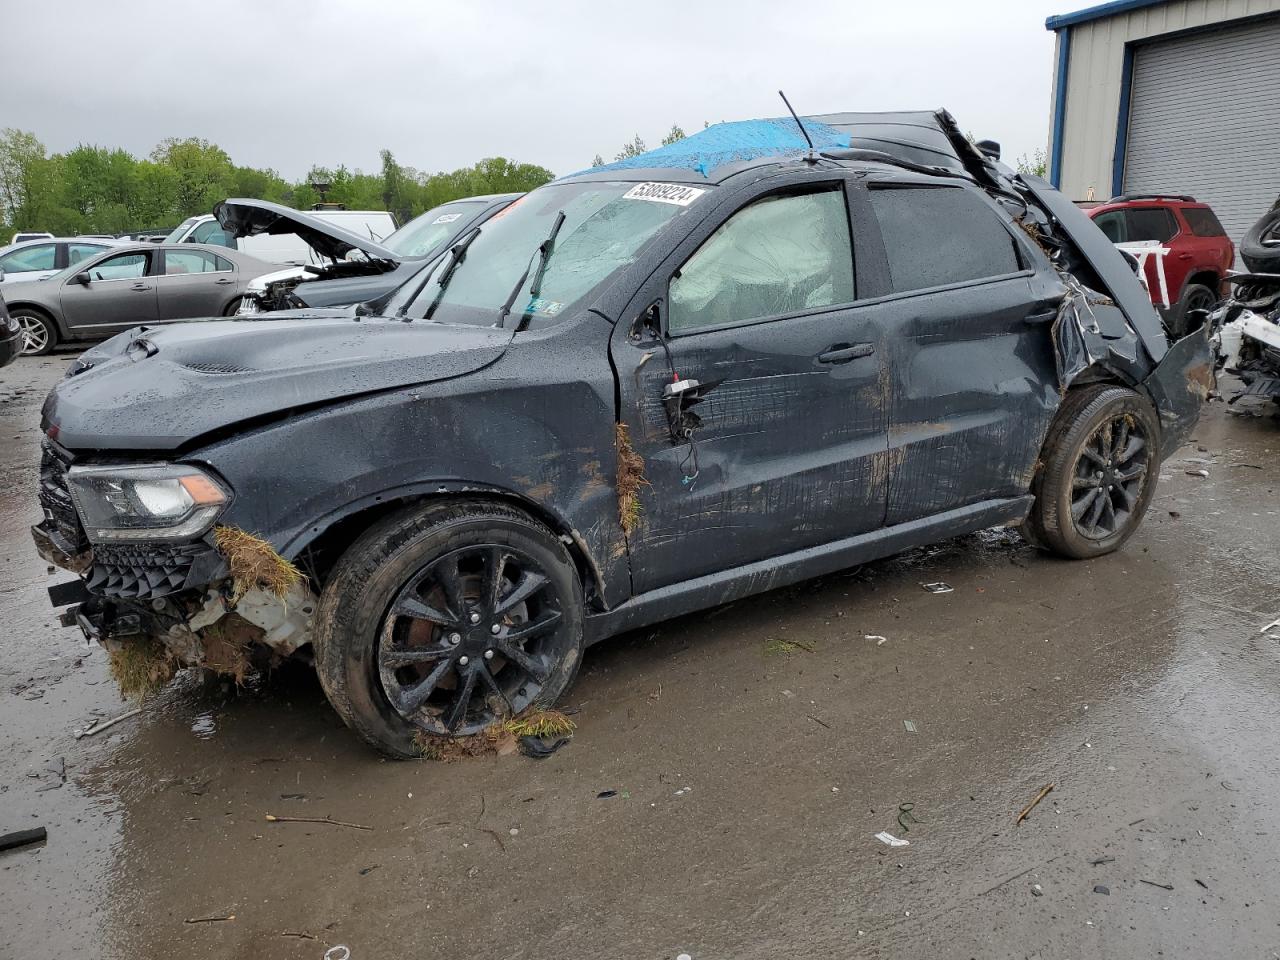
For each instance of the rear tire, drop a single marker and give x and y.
(1196, 296)
(440, 620)
(1098, 473)
(39, 335)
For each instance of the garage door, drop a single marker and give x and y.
(1204, 119)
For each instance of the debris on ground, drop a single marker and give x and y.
(888, 838)
(1037, 890)
(254, 563)
(1273, 623)
(909, 725)
(774, 647)
(606, 794)
(880, 641)
(938, 587)
(328, 820)
(94, 727)
(1152, 883)
(1101, 860)
(1026, 811)
(1104, 890)
(1198, 473)
(23, 838)
(905, 816)
(230, 916)
(535, 733)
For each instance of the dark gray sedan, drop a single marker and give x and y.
(126, 286)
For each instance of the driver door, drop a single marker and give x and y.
(121, 293)
(787, 442)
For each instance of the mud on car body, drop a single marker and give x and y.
(637, 392)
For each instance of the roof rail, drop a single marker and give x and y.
(1125, 197)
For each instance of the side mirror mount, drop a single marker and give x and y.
(990, 148)
(82, 277)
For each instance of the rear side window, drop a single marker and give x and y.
(82, 251)
(780, 255)
(211, 232)
(936, 236)
(191, 261)
(25, 259)
(1202, 222)
(1150, 223)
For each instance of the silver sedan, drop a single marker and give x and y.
(129, 285)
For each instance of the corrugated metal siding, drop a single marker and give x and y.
(1094, 75)
(1205, 120)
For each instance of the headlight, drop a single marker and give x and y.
(146, 502)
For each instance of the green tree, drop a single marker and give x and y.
(675, 135)
(1037, 163)
(597, 161)
(204, 171)
(631, 149)
(22, 173)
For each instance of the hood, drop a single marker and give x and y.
(162, 388)
(345, 290)
(248, 218)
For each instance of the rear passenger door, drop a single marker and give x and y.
(972, 376)
(194, 283)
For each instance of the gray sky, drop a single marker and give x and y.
(289, 83)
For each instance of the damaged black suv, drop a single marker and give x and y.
(635, 393)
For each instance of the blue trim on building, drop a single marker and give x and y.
(1059, 108)
(1122, 123)
(1097, 13)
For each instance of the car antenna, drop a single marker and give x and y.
(811, 158)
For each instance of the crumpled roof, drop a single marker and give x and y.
(723, 143)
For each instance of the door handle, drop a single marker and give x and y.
(1044, 316)
(223, 282)
(141, 287)
(844, 352)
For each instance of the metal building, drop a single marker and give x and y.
(1170, 96)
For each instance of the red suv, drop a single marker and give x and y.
(1180, 245)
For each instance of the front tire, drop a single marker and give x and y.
(1099, 467)
(442, 620)
(39, 335)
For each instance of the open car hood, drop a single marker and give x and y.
(163, 388)
(247, 218)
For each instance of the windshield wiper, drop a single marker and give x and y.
(456, 253)
(542, 254)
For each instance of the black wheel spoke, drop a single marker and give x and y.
(1120, 442)
(529, 584)
(1079, 507)
(458, 709)
(1083, 483)
(495, 561)
(1133, 473)
(1130, 497)
(402, 658)
(446, 575)
(492, 683)
(1131, 450)
(526, 661)
(412, 698)
(411, 606)
(1095, 511)
(1108, 513)
(534, 628)
(1089, 454)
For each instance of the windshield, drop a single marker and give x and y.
(180, 230)
(605, 226)
(422, 236)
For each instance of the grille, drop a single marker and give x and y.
(142, 571)
(62, 522)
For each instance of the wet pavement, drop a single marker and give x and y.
(751, 776)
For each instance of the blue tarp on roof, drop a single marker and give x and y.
(724, 143)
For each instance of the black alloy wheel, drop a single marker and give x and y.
(1109, 477)
(471, 639)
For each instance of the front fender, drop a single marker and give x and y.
(1179, 386)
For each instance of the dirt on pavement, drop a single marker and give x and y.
(751, 776)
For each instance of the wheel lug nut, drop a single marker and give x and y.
(488, 654)
(455, 638)
(495, 628)
(475, 618)
(464, 660)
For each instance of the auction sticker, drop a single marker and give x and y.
(675, 193)
(446, 218)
